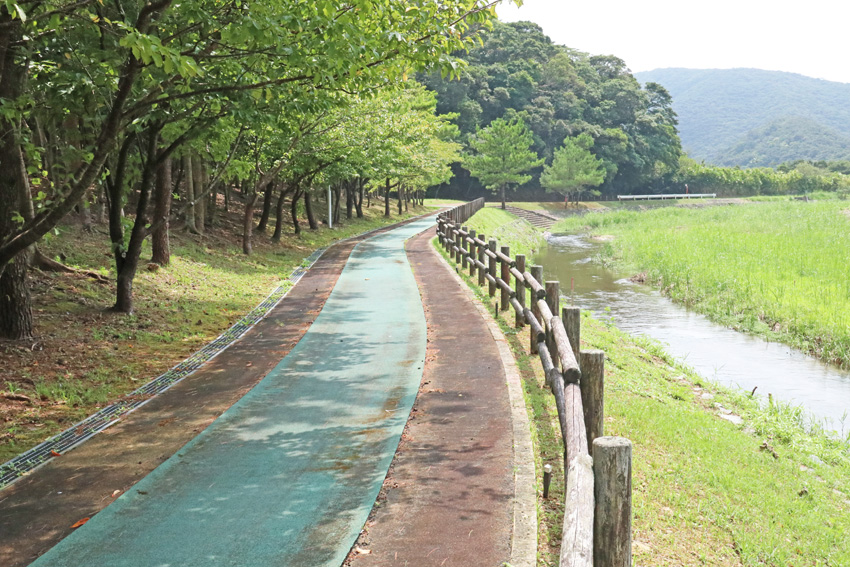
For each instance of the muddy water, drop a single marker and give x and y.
(715, 352)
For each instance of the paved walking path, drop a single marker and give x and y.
(451, 497)
(289, 474)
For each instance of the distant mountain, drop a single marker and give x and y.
(751, 117)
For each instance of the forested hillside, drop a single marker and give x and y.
(753, 118)
(559, 92)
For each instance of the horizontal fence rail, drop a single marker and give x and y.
(597, 516)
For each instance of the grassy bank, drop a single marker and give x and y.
(706, 491)
(779, 269)
(507, 229)
(84, 357)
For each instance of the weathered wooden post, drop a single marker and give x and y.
(612, 518)
(440, 230)
(463, 246)
(471, 248)
(520, 288)
(537, 274)
(506, 277)
(577, 537)
(571, 316)
(458, 242)
(481, 257)
(491, 289)
(592, 384)
(553, 299)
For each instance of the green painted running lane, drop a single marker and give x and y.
(288, 475)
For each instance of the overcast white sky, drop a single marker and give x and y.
(809, 37)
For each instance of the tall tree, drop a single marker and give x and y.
(573, 167)
(503, 155)
(114, 65)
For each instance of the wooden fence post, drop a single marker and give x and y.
(577, 541)
(592, 384)
(481, 257)
(472, 253)
(458, 244)
(553, 299)
(537, 274)
(520, 289)
(505, 275)
(612, 522)
(571, 316)
(463, 247)
(491, 289)
(446, 232)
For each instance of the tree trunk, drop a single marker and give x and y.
(85, 209)
(212, 199)
(308, 207)
(15, 301)
(503, 197)
(189, 192)
(337, 202)
(247, 222)
(349, 199)
(278, 224)
(387, 199)
(358, 199)
(197, 195)
(162, 211)
(268, 196)
(129, 264)
(400, 192)
(293, 210)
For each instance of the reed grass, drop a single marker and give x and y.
(777, 269)
(706, 491)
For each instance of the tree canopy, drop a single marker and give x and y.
(100, 97)
(502, 155)
(573, 167)
(560, 92)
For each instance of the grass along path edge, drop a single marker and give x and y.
(85, 358)
(706, 491)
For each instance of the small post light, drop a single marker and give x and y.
(547, 479)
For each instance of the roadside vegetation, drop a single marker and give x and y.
(86, 356)
(706, 491)
(780, 269)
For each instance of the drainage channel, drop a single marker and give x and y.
(80, 432)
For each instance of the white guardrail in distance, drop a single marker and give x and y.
(667, 196)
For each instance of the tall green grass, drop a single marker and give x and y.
(705, 491)
(507, 229)
(780, 269)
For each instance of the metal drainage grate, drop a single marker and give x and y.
(75, 435)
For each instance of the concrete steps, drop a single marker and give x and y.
(538, 219)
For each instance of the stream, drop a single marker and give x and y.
(723, 355)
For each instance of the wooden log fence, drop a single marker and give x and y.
(597, 517)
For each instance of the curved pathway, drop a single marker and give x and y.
(288, 474)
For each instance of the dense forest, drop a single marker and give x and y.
(148, 113)
(756, 118)
(559, 92)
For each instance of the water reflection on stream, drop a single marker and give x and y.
(715, 352)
